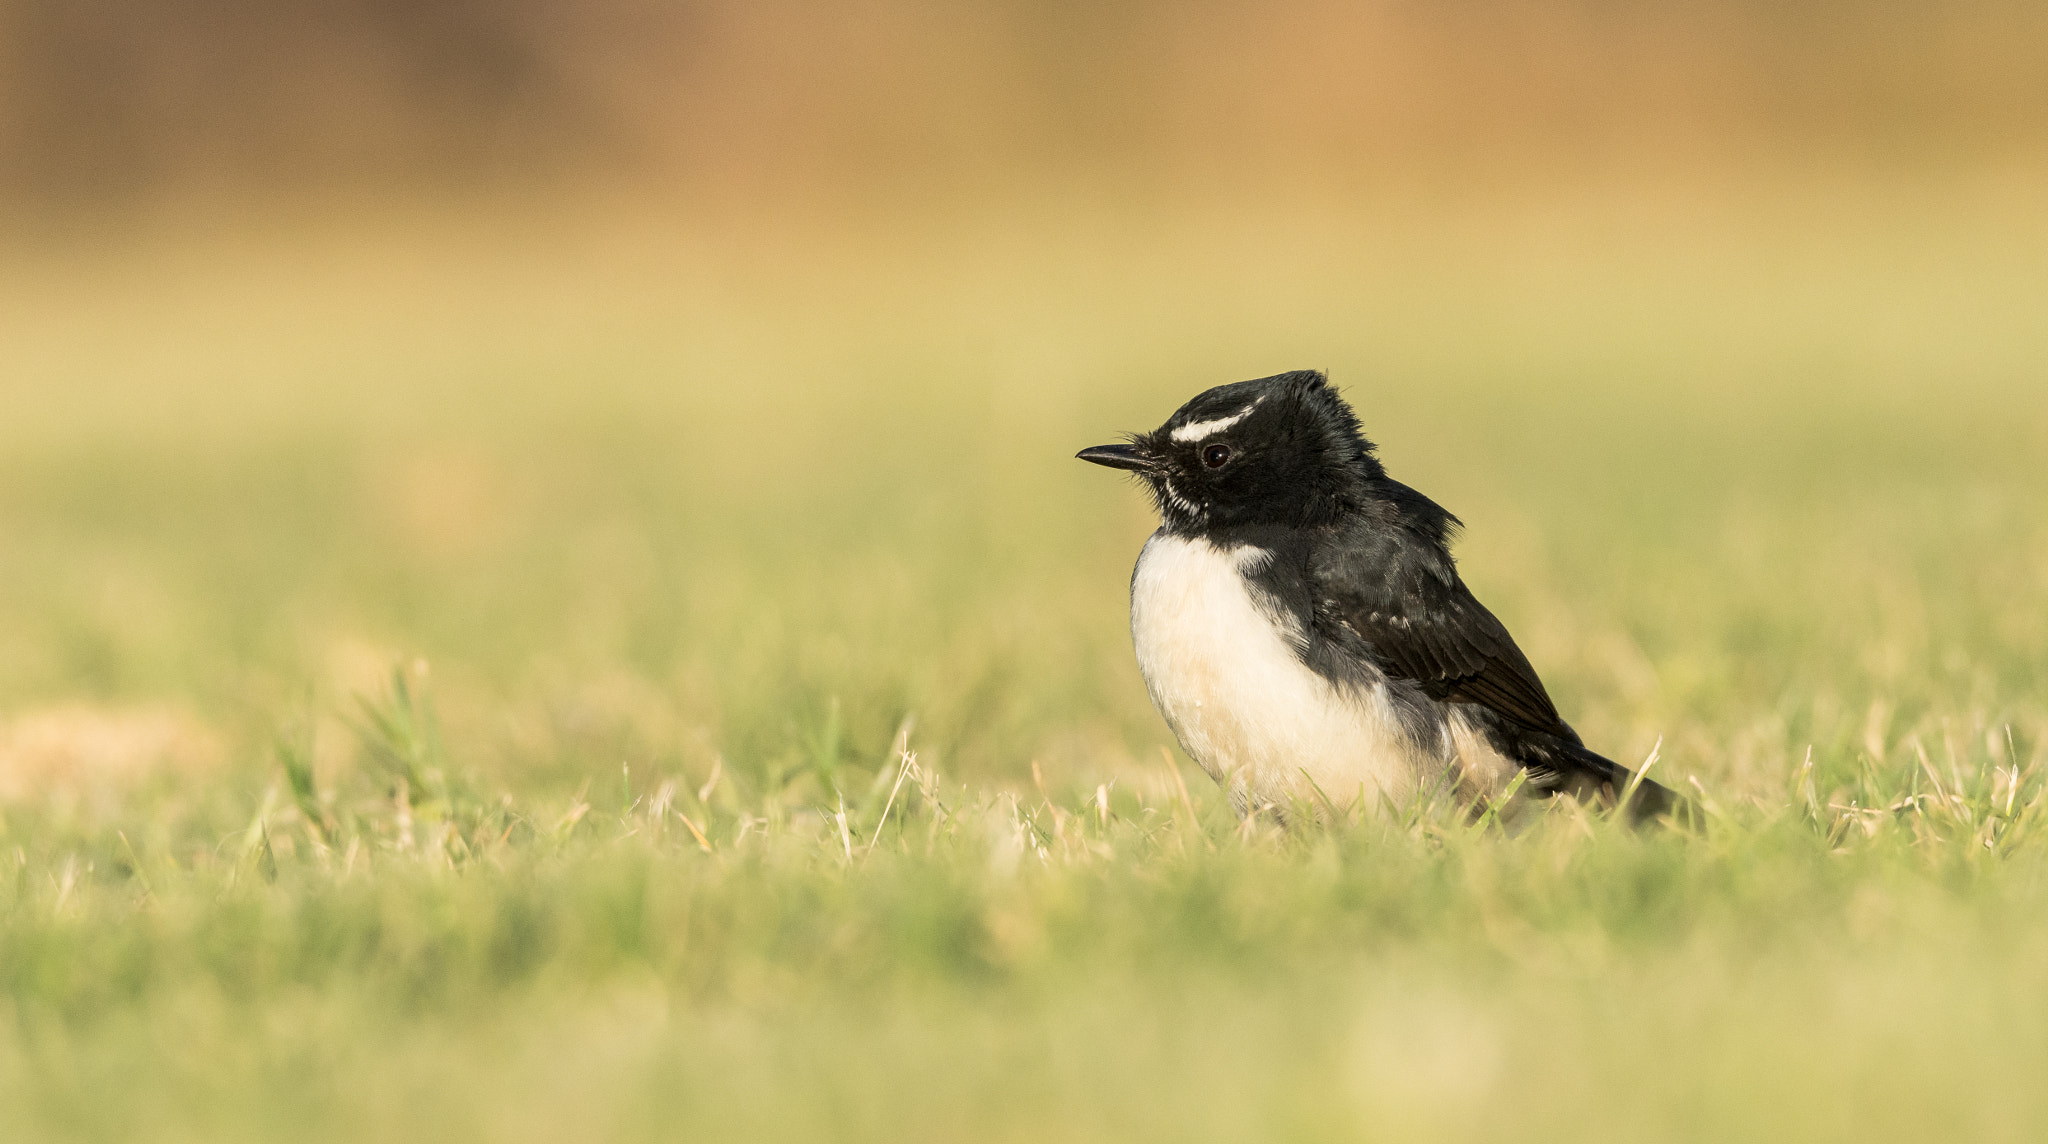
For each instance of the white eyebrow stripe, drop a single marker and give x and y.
(1195, 431)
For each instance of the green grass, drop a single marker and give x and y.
(502, 684)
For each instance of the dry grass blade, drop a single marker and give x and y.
(1635, 780)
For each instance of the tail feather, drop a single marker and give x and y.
(1587, 775)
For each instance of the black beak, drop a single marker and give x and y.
(1117, 457)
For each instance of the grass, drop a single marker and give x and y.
(610, 685)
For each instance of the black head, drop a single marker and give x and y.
(1278, 450)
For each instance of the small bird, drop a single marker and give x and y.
(1301, 624)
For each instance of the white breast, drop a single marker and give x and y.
(1225, 674)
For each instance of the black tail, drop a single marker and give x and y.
(1574, 770)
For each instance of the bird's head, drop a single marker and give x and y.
(1279, 450)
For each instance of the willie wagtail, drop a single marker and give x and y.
(1298, 616)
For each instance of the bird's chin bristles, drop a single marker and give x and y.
(1174, 508)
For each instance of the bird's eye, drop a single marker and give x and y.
(1216, 456)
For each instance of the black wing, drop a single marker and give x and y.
(1388, 592)
(1399, 596)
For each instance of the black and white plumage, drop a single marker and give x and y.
(1299, 619)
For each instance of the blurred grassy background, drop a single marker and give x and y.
(1720, 467)
(681, 391)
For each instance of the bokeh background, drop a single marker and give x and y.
(699, 381)
(487, 489)
(938, 104)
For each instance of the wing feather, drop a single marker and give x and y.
(1416, 620)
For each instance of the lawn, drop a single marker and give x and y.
(502, 678)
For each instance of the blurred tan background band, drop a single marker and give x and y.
(105, 104)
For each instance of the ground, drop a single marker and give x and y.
(467, 679)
